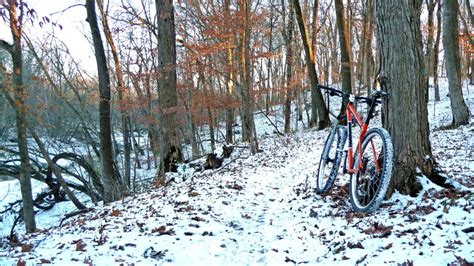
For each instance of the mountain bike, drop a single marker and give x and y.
(370, 165)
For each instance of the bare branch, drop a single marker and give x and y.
(6, 46)
(66, 9)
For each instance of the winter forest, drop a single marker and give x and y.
(160, 132)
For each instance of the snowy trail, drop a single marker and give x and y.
(269, 191)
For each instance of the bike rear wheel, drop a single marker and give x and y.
(330, 160)
(369, 185)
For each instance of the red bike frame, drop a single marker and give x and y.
(352, 113)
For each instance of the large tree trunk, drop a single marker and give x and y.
(453, 62)
(15, 51)
(402, 74)
(345, 53)
(170, 148)
(319, 111)
(113, 189)
(125, 117)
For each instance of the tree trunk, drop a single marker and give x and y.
(368, 57)
(229, 113)
(314, 26)
(205, 88)
(471, 74)
(405, 112)
(453, 62)
(436, 53)
(113, 189)
(170, 149)
(15, 50)
(345, 53)
(471, 55)
(125, 116)
(248, 125)
(319, 111)
(430, 5)
(288, 37)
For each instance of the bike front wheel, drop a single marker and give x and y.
(369, 185)
(330, 160)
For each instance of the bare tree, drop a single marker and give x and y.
(170, 149)
(453, 62)
(113, 189)
(248, 124)
(319, 111)
(345, 52)
(125, 117)
(467, 26)
(288, 30)
(16, 20)
(436, 52)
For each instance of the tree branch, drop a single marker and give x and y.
(6, 46)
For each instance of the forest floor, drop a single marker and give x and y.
(262, 210)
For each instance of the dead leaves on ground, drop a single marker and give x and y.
(162, 230)
(80, 245)
(116, 213)
(379, 230)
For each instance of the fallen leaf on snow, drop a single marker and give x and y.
(26, 247)
(193, 194)
(80, 245)
(358, 245)
(116, 213)
(162, 230)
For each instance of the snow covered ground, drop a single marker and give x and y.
(261, 210)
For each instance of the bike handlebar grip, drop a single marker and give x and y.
(332, 91)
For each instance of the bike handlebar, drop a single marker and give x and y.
(375, 95)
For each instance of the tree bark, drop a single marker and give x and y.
(113, 189)
(170, 148)
(229, 113)
(125, 116)
(368, 58)
(289, 58)
(314, 26)
(405, 112)
(345, 53)
(248, 124)
(430, 6)
(453, 62)
(15, 50)
(319, 111)
(436, 53)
